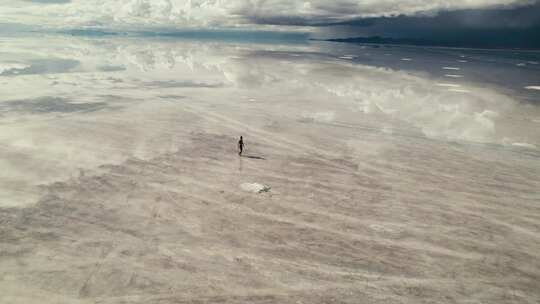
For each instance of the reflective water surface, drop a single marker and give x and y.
(71, 103)
(386, 174)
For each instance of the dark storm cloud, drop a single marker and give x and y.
(520, 17)
(502, 15)
(501, 27)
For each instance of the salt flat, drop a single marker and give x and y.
(121, 182)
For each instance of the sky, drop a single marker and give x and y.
(322, 18)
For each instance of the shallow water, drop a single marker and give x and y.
(78, 102)
(384, 177)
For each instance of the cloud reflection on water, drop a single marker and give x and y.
(166, 64)
(275, 86)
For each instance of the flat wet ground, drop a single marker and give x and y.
(122, 183)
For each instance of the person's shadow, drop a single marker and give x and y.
(254, 157)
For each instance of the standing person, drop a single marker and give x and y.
(240, 146)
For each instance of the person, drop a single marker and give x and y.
(240, 146)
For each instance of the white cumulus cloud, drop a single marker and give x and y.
(219, 13)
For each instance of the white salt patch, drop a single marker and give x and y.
(406, 59)
(521, 64)
(347, 57)
(254, 187)
(463, 61)
(453, 76)
(449, 85)
(533, 88)
(524, 145)
(533, 62)
(451, 68)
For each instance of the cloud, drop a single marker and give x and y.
(219, 13)
(46, 105)
(49, 1)
(41, 66)
(511, 27)
(182, 84)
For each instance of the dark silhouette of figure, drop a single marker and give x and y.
(240, 146)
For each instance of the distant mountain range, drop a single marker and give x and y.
(505, 42)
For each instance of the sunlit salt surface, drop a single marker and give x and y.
(254, 187)
(378, 178)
